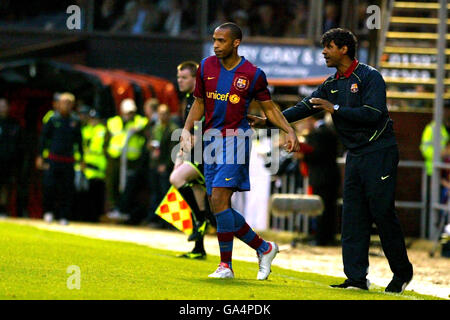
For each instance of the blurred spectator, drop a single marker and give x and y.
(61, 135)
(160, 163)
(362, 17)
(125, 141)
(10, 143)
(240, 17)
(107, 14)
(220, 18)
(419, 103)
(264, 24)
(297, 24)
(141, 16)
(331, 16)
(324, 175)
(179, 17)
(173, 22)
(150, 110)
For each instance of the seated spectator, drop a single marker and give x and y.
(219, 19)
(263, 25)
(141, 16)
(240, 17)
(107, 14)
(297, 25)
(173, 22)
(330, 20)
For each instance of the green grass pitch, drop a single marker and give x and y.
(34, 265)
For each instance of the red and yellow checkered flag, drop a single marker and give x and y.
(175, 210)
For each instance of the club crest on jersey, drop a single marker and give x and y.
(234, 98)
(241, 83)
(354, 88)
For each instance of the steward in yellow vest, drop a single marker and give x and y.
(426, 145)
(125, 133)
(94, 134)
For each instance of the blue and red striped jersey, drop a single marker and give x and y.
(228, 93)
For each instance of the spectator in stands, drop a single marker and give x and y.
(298, 22)
(10, 144)
(180, 18)
(141, 16)
(220, 18)
(107, 14)
(331, 16)
(240, 17)
(419, 103)
(264, 25)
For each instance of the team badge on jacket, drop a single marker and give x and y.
(354, 88)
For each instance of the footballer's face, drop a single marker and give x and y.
(223, 43)
(185, 80)
(333, 54)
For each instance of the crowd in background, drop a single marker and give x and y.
(267, 18)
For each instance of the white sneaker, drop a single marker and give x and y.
(63, 222)
(48, 217)
(223, 271)
(265, 261)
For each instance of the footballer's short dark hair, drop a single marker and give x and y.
(341, 37)
(235, 30)
(191, 65)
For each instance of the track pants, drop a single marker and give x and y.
(61, 181)
(369, 195)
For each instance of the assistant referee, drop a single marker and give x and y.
(355, 96)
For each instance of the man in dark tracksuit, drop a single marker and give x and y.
(61, 135)
(356, 98)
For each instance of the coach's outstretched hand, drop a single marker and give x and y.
(256, 122)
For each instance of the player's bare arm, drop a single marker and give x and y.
(276, 117)
(256, 121)
(196, 113)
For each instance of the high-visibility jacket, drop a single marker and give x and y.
(94, 156)
(426, 145)
(45, 119)
(118, 133)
